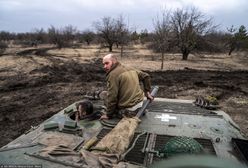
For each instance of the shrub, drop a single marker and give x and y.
(3, 47)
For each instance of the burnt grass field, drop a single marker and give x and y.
(27, 99)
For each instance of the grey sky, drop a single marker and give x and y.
(25, 15)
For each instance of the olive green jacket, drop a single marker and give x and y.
(123, 86)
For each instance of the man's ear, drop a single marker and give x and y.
(114, 60)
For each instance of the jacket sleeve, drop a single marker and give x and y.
(112, 97)
(146, 80)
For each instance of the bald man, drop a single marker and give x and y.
(124, 91)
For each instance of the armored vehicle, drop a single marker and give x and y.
(168, 128)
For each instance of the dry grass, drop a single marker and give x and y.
(137, 56)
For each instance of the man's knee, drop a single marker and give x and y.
(127, 113)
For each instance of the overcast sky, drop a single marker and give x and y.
(25, 15)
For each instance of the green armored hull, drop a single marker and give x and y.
(210, 132)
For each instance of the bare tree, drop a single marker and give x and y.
(161, 35)
(107, 31)
(3, 47)
(122, 33)
(5, 36)
(112, 31)
(231, 42)
(69, 33)
(39, 36)
(238, 39)
(62, 37)
(187, 26)
(88, 36)
(212, 42)
(144, 36)
(134, 37)
(55, 37)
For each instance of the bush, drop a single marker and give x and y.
(3, 47)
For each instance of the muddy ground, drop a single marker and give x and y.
(27, 99)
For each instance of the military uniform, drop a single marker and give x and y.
(124, 90)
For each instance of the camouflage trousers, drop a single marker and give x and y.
(127, 113)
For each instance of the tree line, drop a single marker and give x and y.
(184, 30)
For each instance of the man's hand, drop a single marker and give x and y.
(104, 117)
(149, 96)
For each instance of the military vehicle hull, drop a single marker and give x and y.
(165, 118)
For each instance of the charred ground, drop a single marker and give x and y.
(27, 99)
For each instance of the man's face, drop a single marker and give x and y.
(81, 110)
(107, 64)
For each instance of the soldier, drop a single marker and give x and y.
(124, 94)
(86, 110)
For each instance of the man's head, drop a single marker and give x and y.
(84, 107)
(108, 61)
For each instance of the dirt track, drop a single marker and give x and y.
(29, 99)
